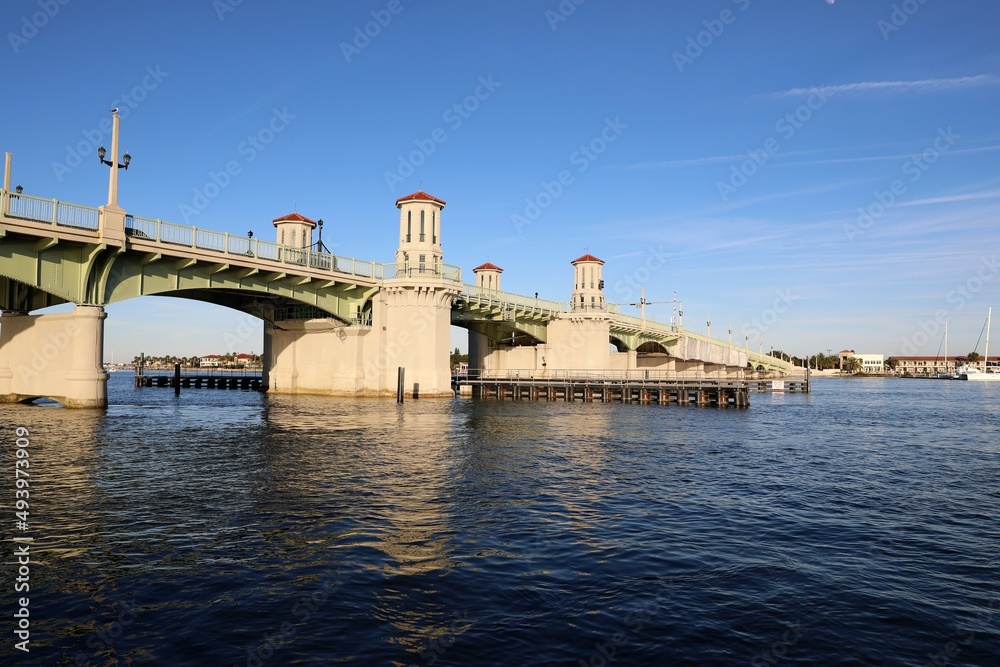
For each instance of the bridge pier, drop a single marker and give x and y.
(54, 355)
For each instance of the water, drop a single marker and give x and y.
(855, 526)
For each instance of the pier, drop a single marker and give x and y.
(199, 379)
(611, 386)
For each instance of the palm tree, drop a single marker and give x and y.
(852, 365)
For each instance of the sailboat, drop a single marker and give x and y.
(944, 375)
(968, 372)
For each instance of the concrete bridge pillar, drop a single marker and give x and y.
(417, 321)
(55, 355)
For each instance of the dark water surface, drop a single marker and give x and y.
(856, 526)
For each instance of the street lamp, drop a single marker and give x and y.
(113, 162)
(319, 244)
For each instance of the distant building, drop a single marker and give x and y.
(871, 363)
(928, 366)
(209, 361)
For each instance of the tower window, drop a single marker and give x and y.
(434, 222)
(423, 265)
(422, 234)
(409, 225)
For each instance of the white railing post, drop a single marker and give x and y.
(55, 211)
(225, 244)
(194, 237)
(158, 222)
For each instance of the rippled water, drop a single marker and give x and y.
(855, 526)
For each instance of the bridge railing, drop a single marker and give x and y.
(427, 270)
(52, 211)
(598, 375)
(516, 301)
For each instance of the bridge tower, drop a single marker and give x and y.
(488, 276)
(294, 230)
(580, 338)
(413, 309)
(588, 284)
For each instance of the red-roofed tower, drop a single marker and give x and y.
(488, 276)
(419, 234)
(588, 284)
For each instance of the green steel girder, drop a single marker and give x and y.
(60, 269)
(491, 322)
(632, 338)
(132, 275)
(36, 272)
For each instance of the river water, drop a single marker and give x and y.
(859, 525)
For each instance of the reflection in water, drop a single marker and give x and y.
(189, 530)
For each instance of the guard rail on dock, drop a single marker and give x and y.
(606, 386)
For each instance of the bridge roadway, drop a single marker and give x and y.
(53, 252)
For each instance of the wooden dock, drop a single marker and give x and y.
(790, 385)
(199, 380)
(605, 387)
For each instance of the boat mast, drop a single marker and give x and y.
(986, 362)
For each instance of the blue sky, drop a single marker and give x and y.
(819, 174)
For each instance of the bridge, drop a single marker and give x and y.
(332, 324)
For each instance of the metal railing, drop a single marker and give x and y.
(600, 375)
(509, 299)
(52, 211)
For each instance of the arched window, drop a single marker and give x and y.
(422, 235)
(293, 238)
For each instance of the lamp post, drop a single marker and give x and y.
(113, 162)
(319, 244)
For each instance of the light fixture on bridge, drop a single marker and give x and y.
(114, 163)
(250, 235)
(319, 244)
(18, 189)
(126, 159)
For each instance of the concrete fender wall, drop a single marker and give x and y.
(55, 355)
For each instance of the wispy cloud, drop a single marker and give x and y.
(891, 87)
(952, 199)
